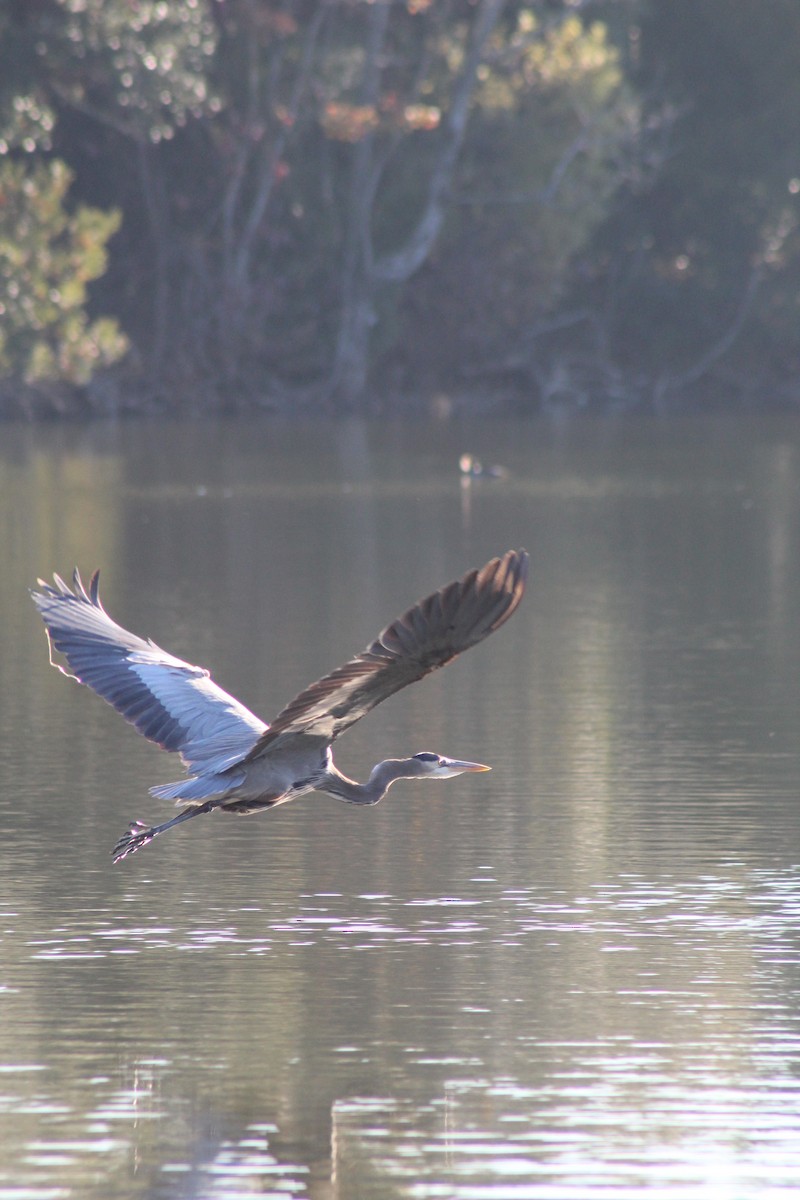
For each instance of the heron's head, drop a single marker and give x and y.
(435, 766)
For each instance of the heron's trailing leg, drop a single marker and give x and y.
(138, 834)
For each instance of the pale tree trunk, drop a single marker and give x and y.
(363, 275)
(249, 190)
(349, 374)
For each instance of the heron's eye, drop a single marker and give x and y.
(426, 757)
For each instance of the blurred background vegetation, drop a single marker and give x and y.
(297, 204)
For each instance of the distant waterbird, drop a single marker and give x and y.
(237, 762)
(472, 468)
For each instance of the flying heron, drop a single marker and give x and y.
(236, 761)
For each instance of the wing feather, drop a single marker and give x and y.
(428, 636)
(173, 703)
(179, 707)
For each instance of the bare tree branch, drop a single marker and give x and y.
(400, 265)
(270, 160)
(672, 383)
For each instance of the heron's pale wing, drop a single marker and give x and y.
(429, 635)
(173, 703)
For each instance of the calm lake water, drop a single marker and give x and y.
(575, 978)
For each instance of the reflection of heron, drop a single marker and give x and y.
(236, 761)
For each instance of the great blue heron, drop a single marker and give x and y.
(238, 763)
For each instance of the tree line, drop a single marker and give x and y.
(307, 204)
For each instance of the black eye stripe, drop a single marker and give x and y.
(426, 757)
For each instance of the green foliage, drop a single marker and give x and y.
(26, 124)
(279, 168)
(726, 202)
(554, 119)
(141, 67)
(47, 258)
(27, 117)
(558, 160)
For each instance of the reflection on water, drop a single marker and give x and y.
(577, 977)
(637, 1037)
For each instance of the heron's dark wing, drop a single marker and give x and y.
(174, 703)
(429, 635)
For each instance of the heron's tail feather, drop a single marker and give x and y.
(197, 788)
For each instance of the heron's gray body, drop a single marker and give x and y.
(263, 783)
(235, 760)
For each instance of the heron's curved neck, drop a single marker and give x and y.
(381, 777)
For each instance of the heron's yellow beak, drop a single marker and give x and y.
(467, 766)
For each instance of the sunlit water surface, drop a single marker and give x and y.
(577, 977)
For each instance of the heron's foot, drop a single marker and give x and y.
(138, 834)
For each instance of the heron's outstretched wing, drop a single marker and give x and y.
(174, 703)
(429, 635)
